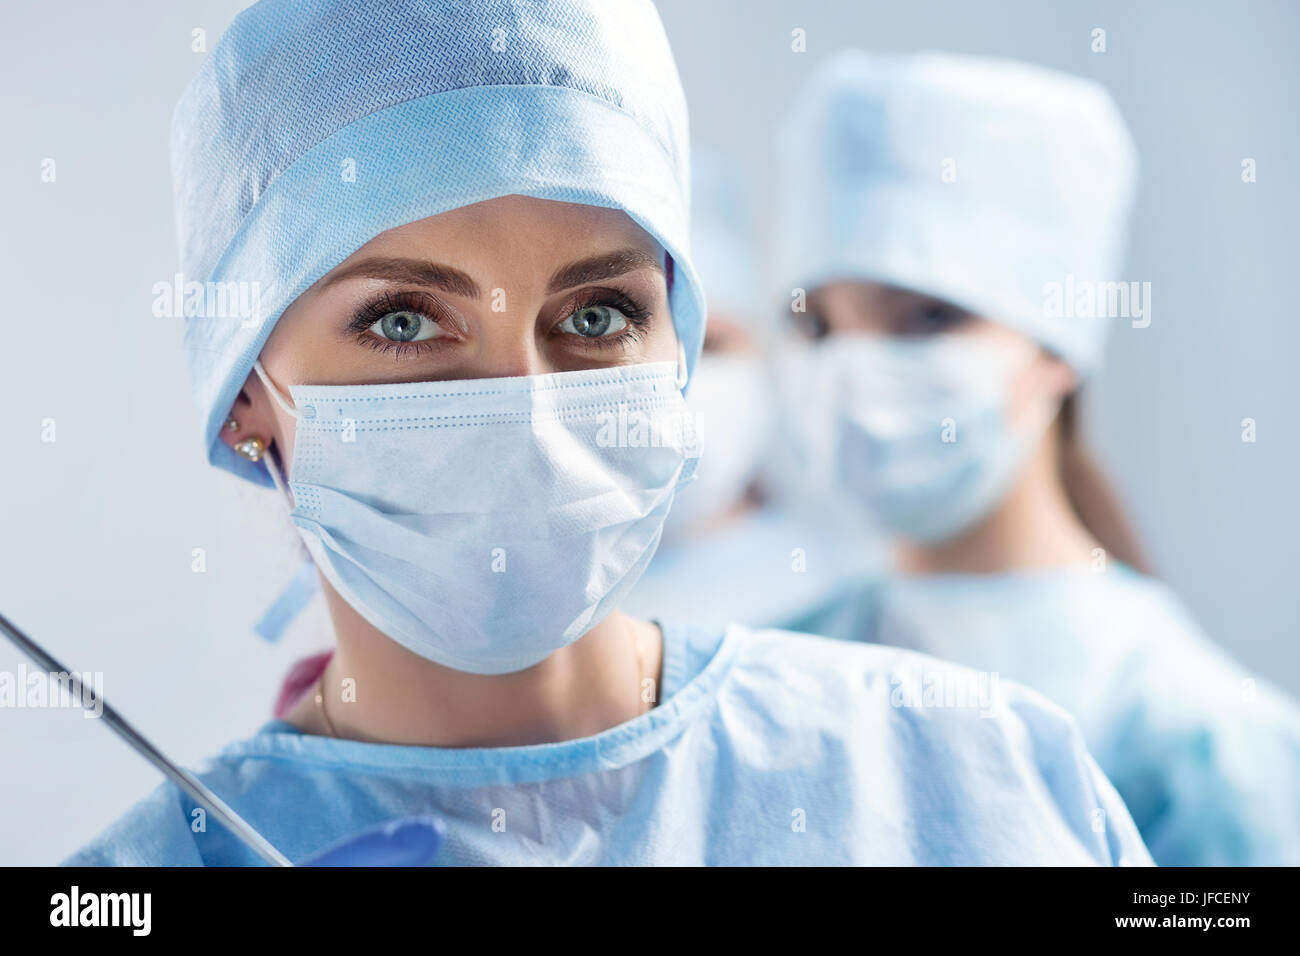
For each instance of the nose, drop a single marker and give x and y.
(516, 362)
(508, 347)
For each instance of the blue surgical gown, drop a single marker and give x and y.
(767, 568)
(766, 748)
(1206, 757)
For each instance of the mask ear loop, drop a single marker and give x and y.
(682, 374)
(275, 392)
(294, 597)
(272, 461)
(272, 456)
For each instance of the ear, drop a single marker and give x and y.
(255, 416)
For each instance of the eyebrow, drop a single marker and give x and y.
(604, 266)
(592, 269)
(410, 270)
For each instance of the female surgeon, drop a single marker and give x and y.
(938, 208)
(468, 223)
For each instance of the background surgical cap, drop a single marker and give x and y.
(315, 125)
(722, 236)
(977, 181)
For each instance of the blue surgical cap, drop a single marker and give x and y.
(982, 182)
(315, 125)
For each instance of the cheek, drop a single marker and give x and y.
(661, 343)
(1035, 382)
(1021, 392)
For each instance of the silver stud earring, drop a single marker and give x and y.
(232, 425)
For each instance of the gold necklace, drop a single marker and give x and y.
(320, 705)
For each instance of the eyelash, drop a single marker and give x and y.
(637, 318)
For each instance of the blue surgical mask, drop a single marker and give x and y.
(916, 430)
(485, 524)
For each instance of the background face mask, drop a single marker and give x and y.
(916, 429)
(485, 524)
(730, 406)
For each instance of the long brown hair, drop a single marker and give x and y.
(1091, 494)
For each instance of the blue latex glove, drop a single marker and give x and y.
(411, 841)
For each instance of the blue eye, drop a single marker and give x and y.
(594, 321)
(406, 327)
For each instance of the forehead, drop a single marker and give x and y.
(520, 228)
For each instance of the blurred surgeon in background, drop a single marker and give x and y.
(729, 552)
(950, 221)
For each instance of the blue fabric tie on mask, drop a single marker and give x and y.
(485, 524)
(300, 589)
